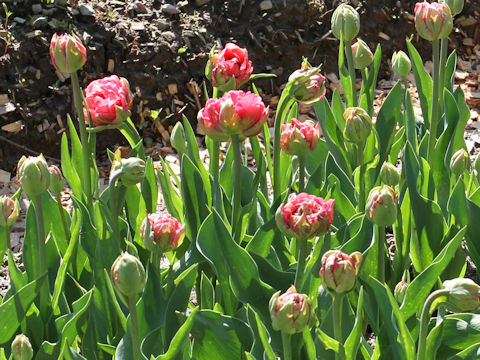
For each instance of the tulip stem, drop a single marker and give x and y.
(301, 175)
(237, 181)
(443, 63)
(8, 230)
(367, 92)
(87, 182)
(302, 257)
(287, 346)
(337, 321)
(42, 254)
(351, 70)
(286, 101)
(132, 307)
(434, 113)
(381, 253)
(424, 320)
(66, 230)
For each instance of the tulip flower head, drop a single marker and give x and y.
(460, 162)
(390, 174)
(345, 22)
(9, 210)
(381, 208)
(400, 291)
(33, 175)
(56, 180)
(362, 55)
(464, 295)
(129, 171)
(230, 67)
(433, 20)
(128, 275)
(104, 96)
(309, 82)
(456, 6)
(401, 64)
(21, 348)
(67, 53)
(291, 312)
(165, 233)
(236, 113)
(358, 125)
(299, 138)
(305, 216)
(339, 271)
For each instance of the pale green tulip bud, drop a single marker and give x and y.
(464, 295)
(21, 348)
(33, 175)
(456, 6)
(9, 210)
(401, 64)
(389, 174)
(358, 125)
(400, 291)
(381, 208)
(345, 22)
(56, 179)
(129, 171)
(290, 312)
(128, 275)
(362, 55)
(177, 138)
(459, 162)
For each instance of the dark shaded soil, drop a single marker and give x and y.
(161, 54)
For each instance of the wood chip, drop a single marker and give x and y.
(110, 66)
(13, 127)
(7, 108)
(4, 176)
(384, 36)
(4, 99)
(172, 89)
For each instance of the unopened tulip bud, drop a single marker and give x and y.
(345, 22)
(128, 275)
(9, 210)
(21, 348)
(309, 82)
(433, 20)
(305, 216)
(456, 6)
(339, 271)
(389, 174)
(358, 125)
(362, 55)
(67, 53)
(291, 312)
(165, 233)
(128, 171)
(400, 291)
(33, 175)
(56, 180)
(401, 64)
(459, 162)
(381, 208)
(464, 295)
(177, 138)
(299, 138)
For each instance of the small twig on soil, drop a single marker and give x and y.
(26, 149)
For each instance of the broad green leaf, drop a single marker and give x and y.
(233, 264)
(180, 336)
(423, 81)
(422, 285)
(12, 311)
(149, 187)
(401, 342)
(219, 337)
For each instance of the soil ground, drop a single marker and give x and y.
(161, 47)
